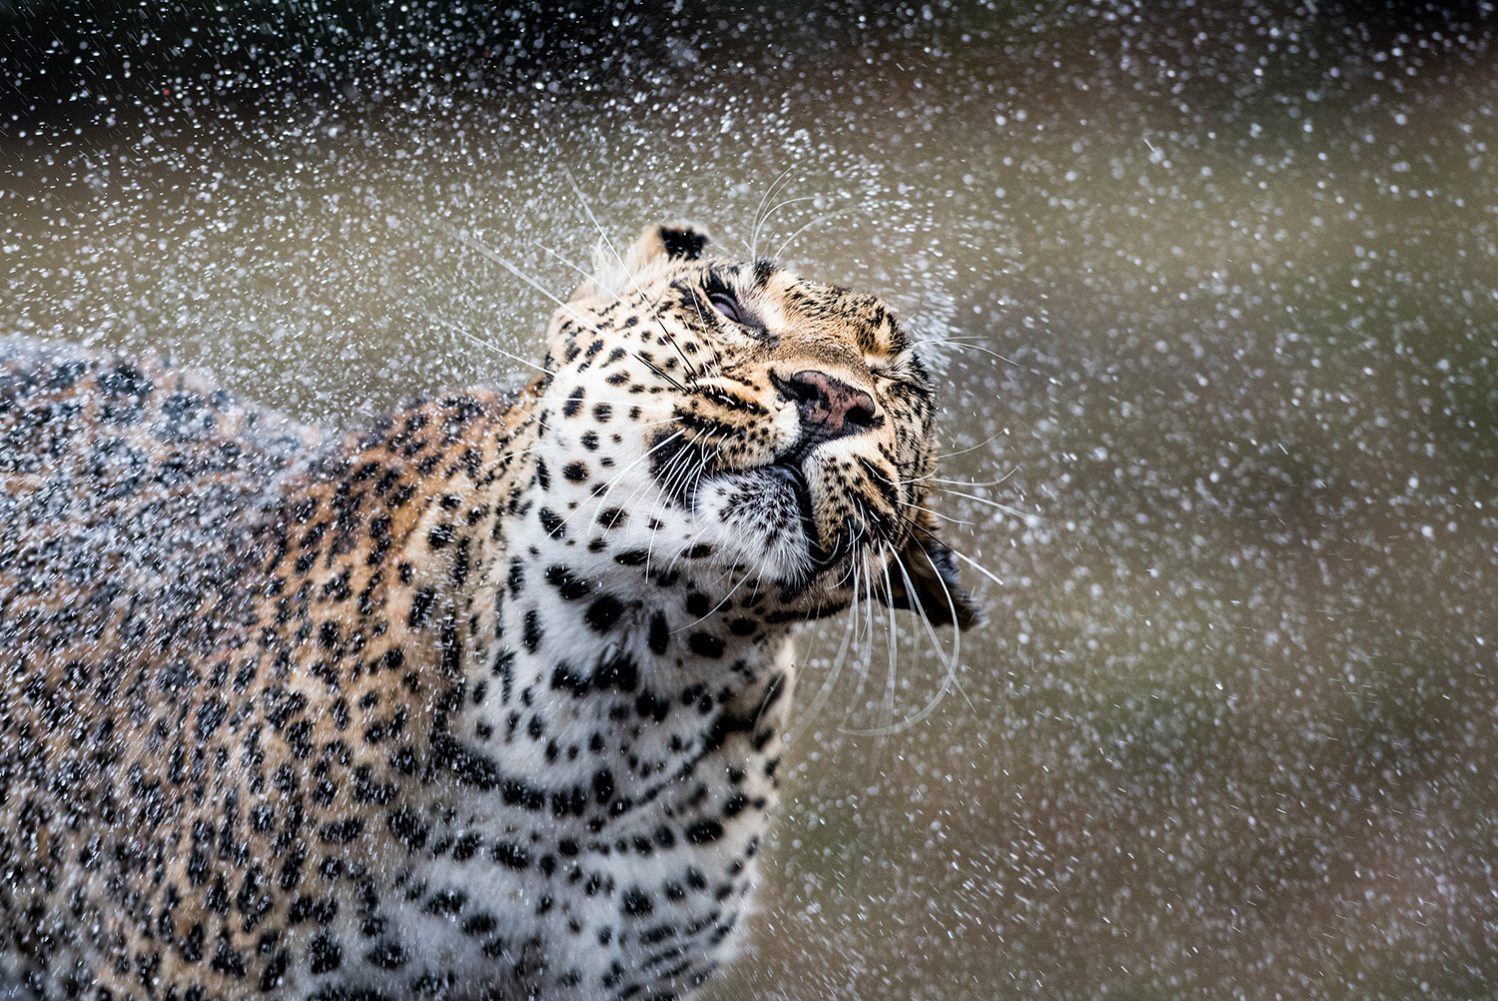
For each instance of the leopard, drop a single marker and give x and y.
(484, 699)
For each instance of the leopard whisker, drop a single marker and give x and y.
(759, 209)
(971, 448)
(931, 476)
(892, 642)
(576, 267)
(978, 567)
(516, 272)
(613, 481)
(654, 310)
(868, 634)
(826, 216)
(850, 635)
(770, 212)
(937, 514)
(440, 321)
(659, 371)
(950, 664)
(966, 344)
(676, 477)
(1012, 512)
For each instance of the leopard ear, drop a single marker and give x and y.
(933, 589)
(682, 241)
(670, 241)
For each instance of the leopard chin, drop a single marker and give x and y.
(761, 519)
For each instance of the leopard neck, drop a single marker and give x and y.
(614, 673)
(549, 645)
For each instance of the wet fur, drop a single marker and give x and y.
(482, 702)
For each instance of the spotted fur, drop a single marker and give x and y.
(483, 702)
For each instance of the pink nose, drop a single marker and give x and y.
(829, 407)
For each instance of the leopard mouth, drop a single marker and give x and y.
(790, 473)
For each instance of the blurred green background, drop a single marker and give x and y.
(1213, 291)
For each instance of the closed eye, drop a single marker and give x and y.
(726, 304)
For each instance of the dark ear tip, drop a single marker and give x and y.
(683, 240)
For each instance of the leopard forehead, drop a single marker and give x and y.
(686, 315)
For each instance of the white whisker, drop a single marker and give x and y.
(764, 199)
(779, 251)
(1013, 512)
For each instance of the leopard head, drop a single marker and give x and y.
(738, 415)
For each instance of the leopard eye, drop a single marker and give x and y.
(726, 304)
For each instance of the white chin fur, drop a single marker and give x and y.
(752, 519)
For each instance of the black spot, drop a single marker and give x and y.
(590, 440)
(604, 612)
(210, 716)
(575, 472)
(270, 977)
(509, 854)
(408, 828)
(192, 944)
(466, 847)
(327, 635)
(532, 633)
(603, 785)
(313, 909)
(651, 706)
(387, 956)
(552, 523)
(569, 586)
(631, 557)
(574, 403)
(226, 960)
(480, 924)
(704, 832)
(440, 536)
(706, 645)
(660, 634)
(602, 412)
(421, 607)
(637, 902)
(341, 832)
(619, 671)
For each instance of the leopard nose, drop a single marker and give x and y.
(829, 407)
